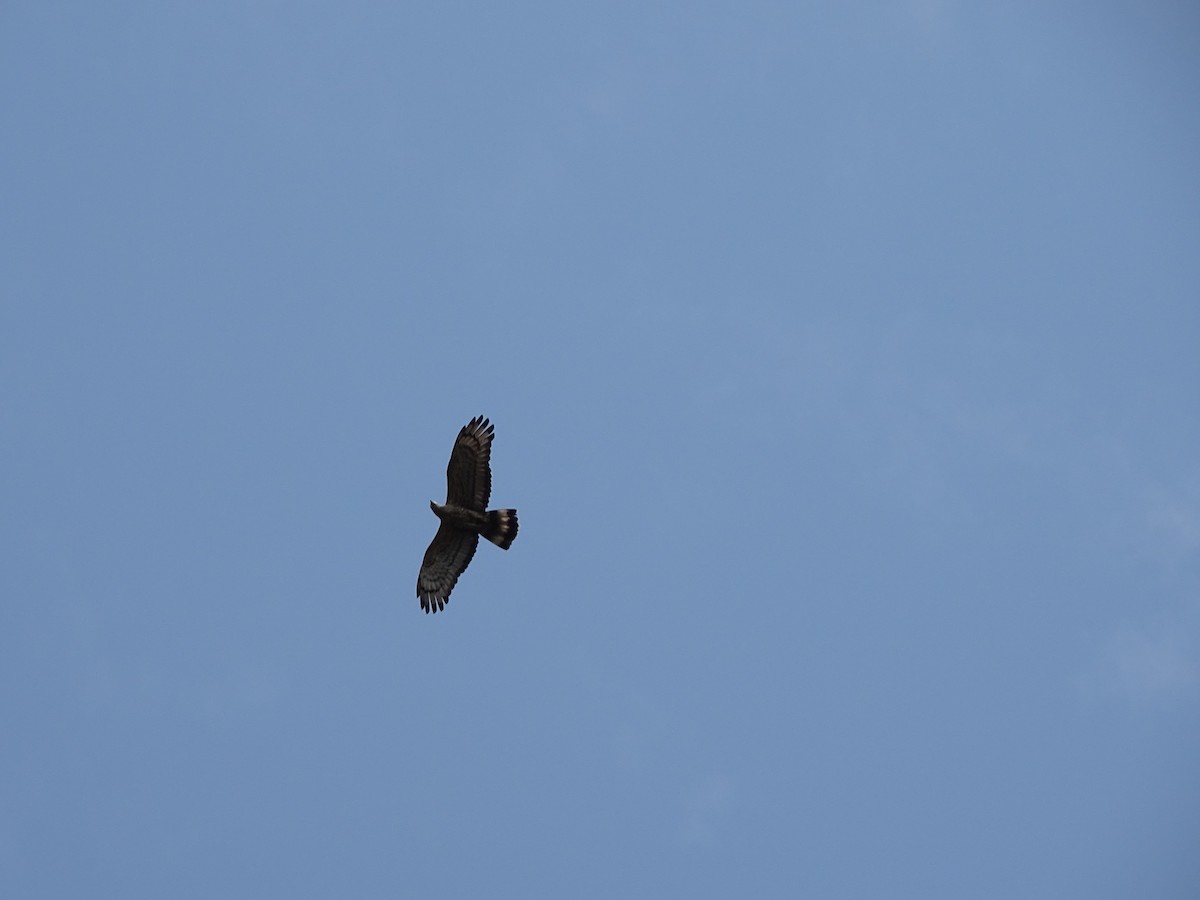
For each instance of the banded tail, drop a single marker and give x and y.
(501, 528)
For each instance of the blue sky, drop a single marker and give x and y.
(843, 365)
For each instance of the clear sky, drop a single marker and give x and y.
(844, 366)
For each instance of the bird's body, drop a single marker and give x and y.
(459, 516)
(464, 516)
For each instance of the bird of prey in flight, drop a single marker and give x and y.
(464, 516)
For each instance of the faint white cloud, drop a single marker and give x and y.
(1155, 659)
(1145, 666)
(704, 806)
(1154, 667)
(1174, 519)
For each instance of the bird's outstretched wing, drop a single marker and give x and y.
(469, 475)
(447, 558)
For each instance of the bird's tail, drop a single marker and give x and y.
(501, 527)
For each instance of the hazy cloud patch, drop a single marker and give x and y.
(704, 806)
(1146, 666)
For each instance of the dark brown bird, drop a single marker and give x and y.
(464, 517)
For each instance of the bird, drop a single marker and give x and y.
(464, 516)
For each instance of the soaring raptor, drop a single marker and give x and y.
(464, 517)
